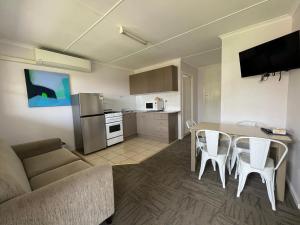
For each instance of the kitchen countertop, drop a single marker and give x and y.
(144, 111)
(128, 112)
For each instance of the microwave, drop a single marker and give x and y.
(155, 105)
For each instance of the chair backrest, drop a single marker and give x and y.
(259, 150)
(212, 142)
(212, 138)
(190, 123)
(247, 123)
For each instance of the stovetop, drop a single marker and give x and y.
(107, 112)
(113, 114)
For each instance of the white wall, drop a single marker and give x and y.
(19, 123)
(247, 98)
(209, 93)
(293, 124)
(173, 98)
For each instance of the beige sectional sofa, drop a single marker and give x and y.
(42, 183)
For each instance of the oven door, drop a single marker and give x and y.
(114, 130)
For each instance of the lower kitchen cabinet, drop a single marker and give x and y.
(158, 126)
(129, 124)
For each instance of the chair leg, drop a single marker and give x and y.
(271, 195)
(222, 173)
(202, 166)
(233, 159)
(236, 169)
(273, 192)
(198, 151)
(262, 179)
(214, 164)
(242, 181)
(228, 163)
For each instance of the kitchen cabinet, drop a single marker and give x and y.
(158, 80)
(129, 124)
(158, 126)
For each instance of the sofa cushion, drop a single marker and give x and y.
(57, 174)
(48, 161)
(31, 149)
(13, 179)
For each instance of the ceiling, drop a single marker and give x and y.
(90, 28)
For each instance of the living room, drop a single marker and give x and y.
(153, 66)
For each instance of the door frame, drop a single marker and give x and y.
(184, 75)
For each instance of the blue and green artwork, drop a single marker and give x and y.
(46, 89)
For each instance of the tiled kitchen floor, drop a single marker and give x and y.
(132, 151)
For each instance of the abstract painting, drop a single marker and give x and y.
(46, 89)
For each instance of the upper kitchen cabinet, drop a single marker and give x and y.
(158, 80)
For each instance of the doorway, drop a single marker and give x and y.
(187, 100)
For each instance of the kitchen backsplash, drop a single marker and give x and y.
(172, 98)
(119, 102)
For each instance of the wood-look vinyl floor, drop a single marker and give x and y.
(163, 191)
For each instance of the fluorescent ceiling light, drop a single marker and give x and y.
(132, 36)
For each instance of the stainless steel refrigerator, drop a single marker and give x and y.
(89, 122)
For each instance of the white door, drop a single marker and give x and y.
(187, 100)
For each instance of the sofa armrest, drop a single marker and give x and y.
(86, 197)
(36, 148)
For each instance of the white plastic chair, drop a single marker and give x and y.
(257, 161)
(190, 123)
(214, 151)
(236, 151)
(199, 143)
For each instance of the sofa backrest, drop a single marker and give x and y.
(13, 179)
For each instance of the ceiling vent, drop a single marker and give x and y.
(53, 59)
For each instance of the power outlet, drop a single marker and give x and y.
(298, 206)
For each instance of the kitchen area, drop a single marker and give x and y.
(129, 135)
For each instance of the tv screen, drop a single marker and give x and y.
(280, 54)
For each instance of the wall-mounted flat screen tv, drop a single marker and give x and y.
(281, 54)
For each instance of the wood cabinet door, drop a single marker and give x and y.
(132, 129)
(158, 80)
(145, 123)
(140, 119)
(170, 78)
(129, 124)
(173, 127)
(163, 79)
(138, 83)
(125, 125)
(148, 123)
(159, 126)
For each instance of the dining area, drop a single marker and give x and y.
(239, 150)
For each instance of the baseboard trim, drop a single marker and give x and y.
(294, 194)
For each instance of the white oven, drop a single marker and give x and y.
(114, 128)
